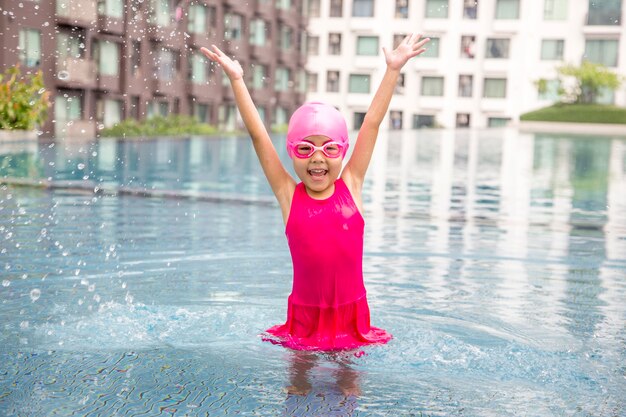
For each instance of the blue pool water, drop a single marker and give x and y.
(495, 258)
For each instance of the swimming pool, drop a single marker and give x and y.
(495, 258)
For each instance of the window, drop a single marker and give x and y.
(301, 84)
(334, 43)
(311, 80)
(166, 64)
(197, 19)
(359, 83)
(111, 8)
(69, 45)
(402, 9)
(470, 9)
(432, 48)
(30, 47)
(259, 76)
(109, 112)
(314, 8)
(605, 96)
(200, 112)
(555, 10)
(497, 48)
(437, 9)
(498, 121)
(432, 86)
(363, 8)
(281, 82)
(468, 47)
(466, 85)
(507, 9)
(262, 112)
(313, 45)
(280, 116)
(552, 49)
(107, 56)
(423, 120)
(549, 90)
(227, 117)
(367, 45)
(602, 51)
(283, 4)
(462, 120)
(197, 68)
(398, 38)
(67, 107)
(135, 56)
(336, 8)
(332, 81)
(495, 88)
(134, 107)
(258, 32)
(605, 12)
(164, 108)
(399, 89)
(233, 26)
(160, 12)
(395, 120)
(286, 34)
(358, 119)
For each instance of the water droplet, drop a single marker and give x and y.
(35, 293)
(6, 283)
(63, 75)
(80, 166)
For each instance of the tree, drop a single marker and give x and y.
(23, 100)
(590, 79)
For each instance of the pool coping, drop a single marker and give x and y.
(572, 128)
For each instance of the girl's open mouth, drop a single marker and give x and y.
(317, 173)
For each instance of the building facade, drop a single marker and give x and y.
(482, 64)
(106, 60)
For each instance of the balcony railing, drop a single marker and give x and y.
(80, 12)
(77, 70)
(604, 18)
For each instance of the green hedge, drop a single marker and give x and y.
(578, 113)
(175, 125)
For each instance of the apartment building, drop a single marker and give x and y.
(105, 60)
(481, 66)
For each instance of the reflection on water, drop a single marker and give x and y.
(492, 256)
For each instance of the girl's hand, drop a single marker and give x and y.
(232, 68)
(409, 47)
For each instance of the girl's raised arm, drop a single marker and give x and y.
(354, 172)
(281, 182)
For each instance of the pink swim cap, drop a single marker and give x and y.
(315, 118)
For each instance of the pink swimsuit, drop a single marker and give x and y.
(327, 308)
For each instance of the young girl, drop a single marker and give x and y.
(327, 309)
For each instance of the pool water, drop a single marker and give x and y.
(497, 259)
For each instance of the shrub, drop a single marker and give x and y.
(174, 125)
(23, 100)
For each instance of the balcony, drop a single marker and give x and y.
(112, 25)
(75, 129)
(288, 15)
(238, 6)
(207, 90)
(171, 87)
(109, 83)
(604, 18)
(263, 54)
(289, 57)
(76, 72)
(83, 13)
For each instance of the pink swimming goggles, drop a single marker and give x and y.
(305, 150)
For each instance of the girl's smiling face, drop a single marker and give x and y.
(318, 172)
